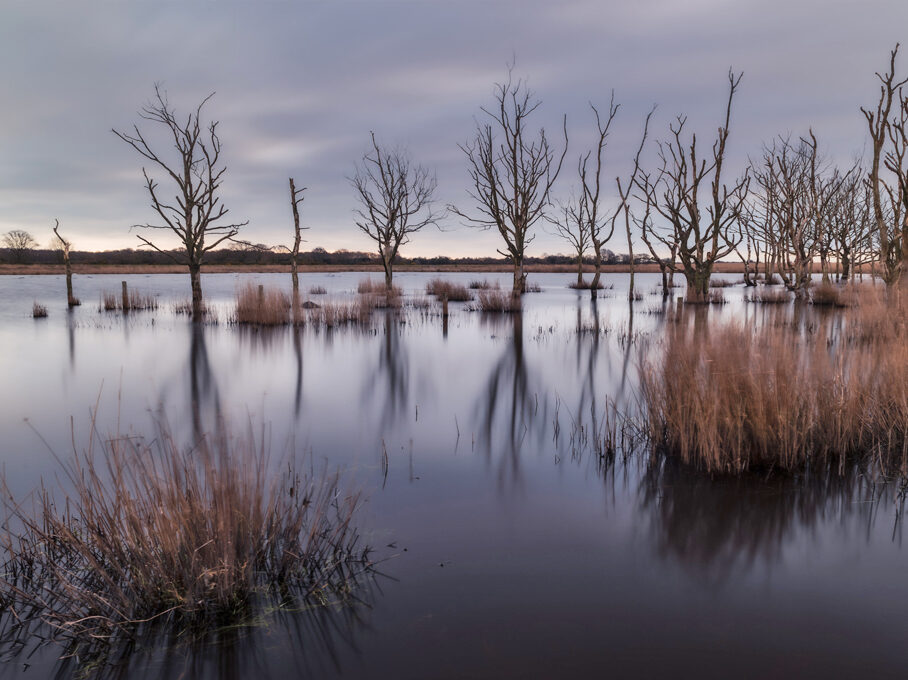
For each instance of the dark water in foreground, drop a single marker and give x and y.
(509, 549)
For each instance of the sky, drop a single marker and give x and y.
(300, 85)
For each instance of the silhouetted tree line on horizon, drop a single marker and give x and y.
(262, 255)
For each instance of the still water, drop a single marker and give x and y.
(508, 549)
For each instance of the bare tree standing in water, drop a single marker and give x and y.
(196, 211)
(396, 200)
(512, 179)
(65, 245)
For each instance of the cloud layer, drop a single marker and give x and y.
(301, 84)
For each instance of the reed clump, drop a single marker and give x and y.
(262, 306)
(334, 314)
(483, 284)
(442, 288)
(735, 399)
(148, 533)
(587, 285)
(39, 311)
(828, 295)
(318, 290)
(136, 301)
(498, 301)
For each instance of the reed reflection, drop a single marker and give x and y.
(724, 526)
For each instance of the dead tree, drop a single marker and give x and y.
(65, 245)
(625, 190)
(396, 200)
(512, 176)
(195, 213)
(571, 225)
(296, 198)
(590, 182)
(703, 234)
(851, 225)
(19, 243)
(890, 193)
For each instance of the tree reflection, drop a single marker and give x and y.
(202, 387)
(508, 410)
(391, 379)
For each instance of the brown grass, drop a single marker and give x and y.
(148, 532)
(732, 399)
(318, 290)
(452, 291)
(333, 314)
(497, 301)
(39, 311)
(722, 283)
(828, 295)
(587, 285)
(483, 284)
(262, 306)
(137, 301)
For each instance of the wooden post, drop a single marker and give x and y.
(125, 298)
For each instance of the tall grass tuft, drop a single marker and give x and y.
(735, 399)
(497, 301)
(137, 301)
(39, 311)
(452, 291)
(483, 284)
(262, 306)
(769, 296)
(318, 290)
(147, 533)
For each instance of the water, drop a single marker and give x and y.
(507, 552)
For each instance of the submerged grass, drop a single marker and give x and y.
(39, 311)
(262, 306)
(441, 288)
(136, 301)
(731, 399)
(148, 533)
(497, 301)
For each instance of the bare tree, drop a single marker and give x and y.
(65, 245)
(195, 213)
(624, 192)
(396, 200)
(19, 243)
(703, 234)
(512, 178)
(890, 193)
(296, 198)
(570, 224)
(590, 182)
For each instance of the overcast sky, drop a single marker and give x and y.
(299, 85)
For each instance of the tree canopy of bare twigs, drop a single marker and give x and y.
(395, 200)
(512, 172)
(580, 221)
(888, 174)
(703, 234)
(195, 214)
(793, 208)
(19, 243)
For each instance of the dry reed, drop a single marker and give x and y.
(734, 399)
(149, 533)
(137, 301)
(769, 296)
(482, 284)
(318, 290)
(39, 311)
(262, 306)
(497, 301)
(452, 291)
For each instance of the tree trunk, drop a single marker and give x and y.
(846, 265)
(594, 286)
(580, 270)
(519, 277)
(697, 285)
(664, 271)
(70, 298)
(195, 279)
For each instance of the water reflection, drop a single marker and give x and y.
(389, 383)
(717, 527)
(203, 389)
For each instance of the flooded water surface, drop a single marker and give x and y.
(507, 545)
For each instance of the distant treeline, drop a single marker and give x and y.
(262, 256)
